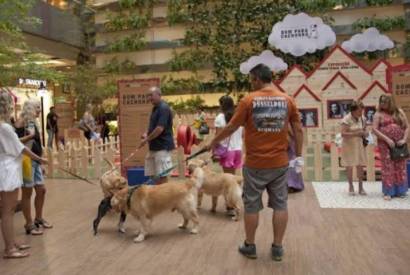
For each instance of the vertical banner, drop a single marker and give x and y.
(134, 111)
(65, 121)
(398, 78)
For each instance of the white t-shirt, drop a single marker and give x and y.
(235, 141)
(11, 173)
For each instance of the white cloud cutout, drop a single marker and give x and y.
(300, 34)
(369, 41)
(267, 58)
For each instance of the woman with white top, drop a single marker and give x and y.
(11, 177)
(232, 159)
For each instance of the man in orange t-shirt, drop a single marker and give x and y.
(265, 114)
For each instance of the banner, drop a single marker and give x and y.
(134, 112)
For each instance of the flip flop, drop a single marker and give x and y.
(15, 254)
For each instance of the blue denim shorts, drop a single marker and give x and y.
(37, 175)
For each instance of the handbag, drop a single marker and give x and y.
(204, 129)
(27, 169)
(399, 152)
(220, 151)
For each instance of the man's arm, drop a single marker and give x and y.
(154, 134)
(224, 133)
(298, 133)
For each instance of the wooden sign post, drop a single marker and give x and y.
(65, 121)
(398, 78)
(134, 111)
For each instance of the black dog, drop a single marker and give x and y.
(103, 208)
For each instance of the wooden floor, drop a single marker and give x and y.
(318, 241)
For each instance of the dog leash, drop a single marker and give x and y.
(75, 175)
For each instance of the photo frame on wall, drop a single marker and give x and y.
(337, 109)
(369, 112)
(309, 117)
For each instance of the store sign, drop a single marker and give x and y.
(31, 82)
(345, 65)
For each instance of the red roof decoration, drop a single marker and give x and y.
(334, 78)
(375, 83)
(338, 47)
(294, 67)
(306, 88)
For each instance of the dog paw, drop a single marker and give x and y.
(139, 238)
(194, 231)
(121, 230)
(235, 218)
(181, 226)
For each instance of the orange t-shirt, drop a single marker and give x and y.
(266, 114)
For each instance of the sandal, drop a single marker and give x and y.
(387, 198)
(33, 230)
(43, 223)
(22, 246)
(15, 254)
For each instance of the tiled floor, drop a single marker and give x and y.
(335, 195)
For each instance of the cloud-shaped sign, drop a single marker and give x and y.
(267, 58)
(369, 41)
(300, 34)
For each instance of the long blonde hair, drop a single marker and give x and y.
(6, 106)
(391, 109)
(29, 111)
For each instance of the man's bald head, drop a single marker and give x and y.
(155, 95)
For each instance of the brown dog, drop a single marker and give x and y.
(217, 184)
(147, 201)
(111, 182)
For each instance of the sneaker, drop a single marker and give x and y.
(248, 250)
(277, 253)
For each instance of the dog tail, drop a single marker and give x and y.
(112, 165)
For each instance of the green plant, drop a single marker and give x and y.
(189, 60)
(16, 58)
(189, 105)
(382, 24)
(379, 2)
(177, 12)
(172, 86)
(121, 22)
(131, 43)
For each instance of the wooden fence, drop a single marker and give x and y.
(87, 160)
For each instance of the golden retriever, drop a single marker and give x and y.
(111, 182)
(147, 201)
(217, 184)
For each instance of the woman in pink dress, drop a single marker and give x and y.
(391, 127)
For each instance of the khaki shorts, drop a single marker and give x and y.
(156, 162)
(257, 180)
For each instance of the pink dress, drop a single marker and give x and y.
(393, 171)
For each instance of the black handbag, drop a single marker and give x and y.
(399, 152)
(204, 129)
